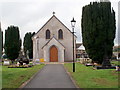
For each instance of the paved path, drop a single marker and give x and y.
(51, 76)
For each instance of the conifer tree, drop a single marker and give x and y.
(98, 31)
(28, 44)
(12, 43)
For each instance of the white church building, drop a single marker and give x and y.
(54, 42)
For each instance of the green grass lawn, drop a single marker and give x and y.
(14, 77)
(115, 63)
(86, 77)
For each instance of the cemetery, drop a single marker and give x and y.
(51, 57)
(20, 62)
(88, 77)
(20, 71)
(20, 75)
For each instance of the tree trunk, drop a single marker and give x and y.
(106, 62)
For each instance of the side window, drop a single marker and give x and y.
(60, 34)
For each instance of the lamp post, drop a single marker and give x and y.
(73, 26)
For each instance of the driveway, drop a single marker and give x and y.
(51, 76)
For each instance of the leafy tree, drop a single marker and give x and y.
(28, 44)
(98, 31)
(12, 42)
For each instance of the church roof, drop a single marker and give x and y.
(59, 21)
(81, 47)
(50, 40)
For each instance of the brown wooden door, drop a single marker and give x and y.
(53, 54)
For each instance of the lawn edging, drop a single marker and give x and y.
(26, 82)
(74, 82)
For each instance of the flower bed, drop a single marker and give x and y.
(21, 66)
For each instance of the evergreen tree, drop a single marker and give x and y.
(98, 31)
(28, 44)
(1, 42)
(12, 42)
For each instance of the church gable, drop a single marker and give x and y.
(53, 24)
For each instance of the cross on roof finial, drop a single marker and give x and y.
(53, 13)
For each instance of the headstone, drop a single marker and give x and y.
(6, 62)
(18, 63)
(21, 62)
(118, 68)
(37, 61)
(89, 64)
(24, 63)
(101, 67)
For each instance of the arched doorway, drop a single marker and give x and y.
(53, 54)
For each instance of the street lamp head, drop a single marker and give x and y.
(73, 22)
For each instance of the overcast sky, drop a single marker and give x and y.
(31, 15)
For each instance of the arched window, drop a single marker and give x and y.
(60, 34)
(47, 34)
